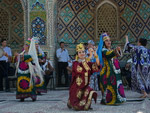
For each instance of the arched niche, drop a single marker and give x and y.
(107, 19)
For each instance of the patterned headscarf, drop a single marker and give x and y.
(28, 41)
(103, 37)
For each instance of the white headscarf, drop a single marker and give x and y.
(35, 70)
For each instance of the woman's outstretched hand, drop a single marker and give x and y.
(126, 36)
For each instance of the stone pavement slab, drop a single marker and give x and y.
(55, 102)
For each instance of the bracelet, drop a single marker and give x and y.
(87, 59)
(96, 56)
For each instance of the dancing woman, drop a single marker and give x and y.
(27, 67)
(80, 94)
(140, 74)
(110, 79)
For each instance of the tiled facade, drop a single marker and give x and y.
(73, 21)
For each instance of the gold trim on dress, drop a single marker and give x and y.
(86, 78)
(109, 87)
(86, 66)
(79, 81)
(82, 102)
(79, 93)
(109, 52)
(79, 68)
(86, 107)
(108, 69)
(103, 69)
(28, 60)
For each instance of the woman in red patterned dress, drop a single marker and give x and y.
(80, 95)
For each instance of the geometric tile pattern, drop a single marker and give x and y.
(67, 14)
(4, 22)
(134, 19)
(75, 19)
(134, 4)
(137, 25)
(144, 11)
(38, 20)
(66, 36)
(16, 22)
(38, 27)
(37, 5)
(85, 16)
(78, 5)
(128, 14)
(75, 28)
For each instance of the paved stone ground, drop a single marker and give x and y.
(55, 102)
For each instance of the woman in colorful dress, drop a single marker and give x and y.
(26, 68)
(94, 77)
(80, 94)
(110, 78)
(140, 71)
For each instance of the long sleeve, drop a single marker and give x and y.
(68, 56)
(129, 48)
(62, 56)
(58, 53)
(9, 52)
(108, 53)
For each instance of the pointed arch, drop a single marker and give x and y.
(107, 19)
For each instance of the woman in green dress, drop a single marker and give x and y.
(110, 78)
(27, 68)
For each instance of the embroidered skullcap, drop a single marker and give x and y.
(28, 41)
(80, 47)
(105, 36)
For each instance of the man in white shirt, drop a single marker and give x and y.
(63, 58)
(4, 64)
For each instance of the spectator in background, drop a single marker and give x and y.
(126, 73)
(4, 64)
(48, 69)
(63, 58)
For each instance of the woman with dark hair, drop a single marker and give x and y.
(110, 78)
(140, 71)
(81, 94)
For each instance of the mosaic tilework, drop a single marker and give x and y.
(16, 21)
(144, 11)
(85, 16)
(38, 29)
(67, 14)
(37, 5)
(4, 19)
(38, 20)
(134, 4)
(134, 19)
(75, 19)
(128, 14)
